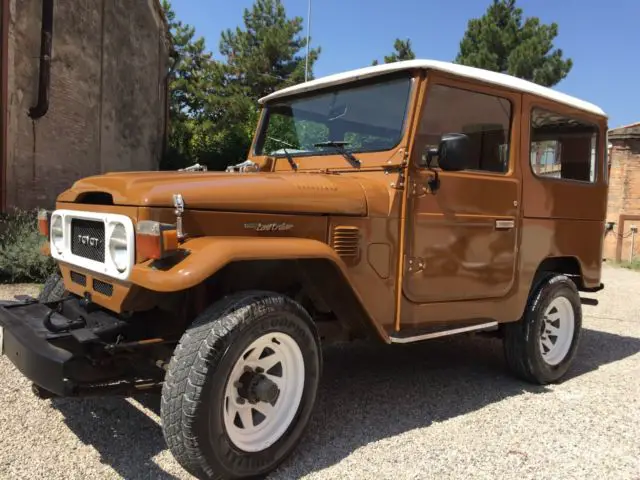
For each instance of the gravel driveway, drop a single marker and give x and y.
(442, 409)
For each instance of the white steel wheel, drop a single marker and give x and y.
(263, 392)
(241, 386)
(556, 330)
(541, 346)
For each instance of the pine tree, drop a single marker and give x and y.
(501, 41)
(213, 105)
(192, 77)
(269, 53)
(403, 51)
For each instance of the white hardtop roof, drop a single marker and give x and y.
(487, 76)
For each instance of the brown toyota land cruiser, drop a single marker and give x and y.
(400, 203)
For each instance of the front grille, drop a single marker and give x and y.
(78, 278)
(87, 239)
(103, 287)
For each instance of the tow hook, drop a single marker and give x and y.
(41, 393)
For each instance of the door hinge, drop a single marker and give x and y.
(418, 190)
(414, 264)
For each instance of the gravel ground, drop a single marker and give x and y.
(443, 409)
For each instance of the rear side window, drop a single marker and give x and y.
(563, 147)
(484, 119)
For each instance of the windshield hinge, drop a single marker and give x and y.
(405, 154)
(246, 166)
(399, 184)
(196, 167)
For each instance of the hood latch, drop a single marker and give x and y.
(178, 203)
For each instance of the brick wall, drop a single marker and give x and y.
(107, 95)
(624, 196)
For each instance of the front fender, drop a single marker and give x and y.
(207, 255)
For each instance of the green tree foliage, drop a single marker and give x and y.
(403, 51)
(213, 104)
(501, 41)
(269, 53)
(193, 75)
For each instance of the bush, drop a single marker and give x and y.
(20, 243)
(631, 265)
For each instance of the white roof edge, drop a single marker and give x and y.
(487, 76)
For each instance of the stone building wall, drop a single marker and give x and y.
(623, 205)
(107, 104)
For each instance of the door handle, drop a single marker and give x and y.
(505, 224)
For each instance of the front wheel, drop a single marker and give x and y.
(540, 347)
(241, 386)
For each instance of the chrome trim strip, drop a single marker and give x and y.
(442, 333)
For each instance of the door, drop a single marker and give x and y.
(462, 235)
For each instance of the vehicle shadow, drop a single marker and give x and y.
(125, 437)
(373, 392)
(368, 392)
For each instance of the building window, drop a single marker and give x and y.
(563, 147)
(485, 119)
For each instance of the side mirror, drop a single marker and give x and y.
(453, 152)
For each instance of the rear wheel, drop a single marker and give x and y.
(541, 346)
(241, 386)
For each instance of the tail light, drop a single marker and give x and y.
(155, 240)
(44, 217)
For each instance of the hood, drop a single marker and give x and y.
(265, 192)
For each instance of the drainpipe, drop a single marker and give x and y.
(4, 99)
(41, 108)
(165, 129)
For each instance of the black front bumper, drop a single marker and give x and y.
(28, 345)
(66, 349)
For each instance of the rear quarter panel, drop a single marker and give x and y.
(562, 217)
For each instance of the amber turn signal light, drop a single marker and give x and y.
(44, 216)
(155, 240)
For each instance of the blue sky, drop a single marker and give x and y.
(602, 37)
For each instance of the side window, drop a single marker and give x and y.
(485, 119)
(563, 147)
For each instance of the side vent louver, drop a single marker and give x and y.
(346, 242)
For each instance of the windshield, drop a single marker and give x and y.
(366, 118)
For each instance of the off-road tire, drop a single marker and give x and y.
(193, 391)
(522, 338)
(53, 289)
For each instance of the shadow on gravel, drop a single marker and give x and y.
(372, 392)
(368, 392)
(125, 437)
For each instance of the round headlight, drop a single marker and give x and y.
(57, 233)
(118, 248)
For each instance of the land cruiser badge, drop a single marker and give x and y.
(268, 227)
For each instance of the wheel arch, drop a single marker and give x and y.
(567, 265)
(319, 284)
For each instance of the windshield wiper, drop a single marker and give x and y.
(339, 146)
(284, 144)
